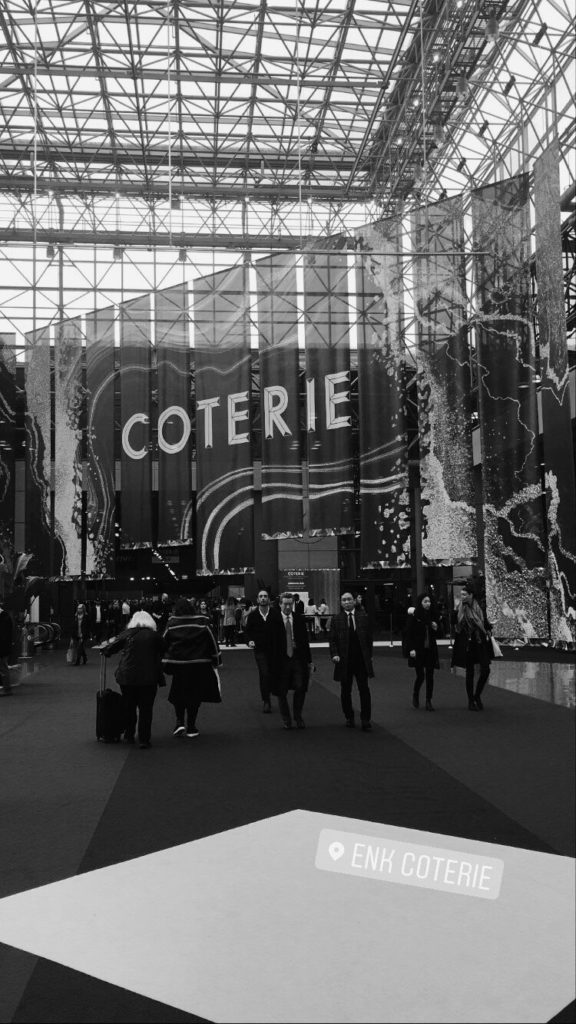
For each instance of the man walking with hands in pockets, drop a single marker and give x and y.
(351, 652)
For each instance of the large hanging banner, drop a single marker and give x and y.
(443, 380)
(224, 496)
(38, 514)
(135, 404)
(328, 410)
(100, 475)
(279, 397)
(555, 395)
(384, 494)
(174, 397)
(7, 454)
(68, 410)
(512, 490)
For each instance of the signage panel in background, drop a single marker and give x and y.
(100, 476)
(174, 398)
(515, 555)
(38, 515)
(555, 394)
(7, 445)
(444, 404)
(135, 403)
(328, 409)
(68, 417)
(384, 495)
(279, 391)
(225, 487)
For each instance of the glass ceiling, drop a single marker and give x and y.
(261, 122)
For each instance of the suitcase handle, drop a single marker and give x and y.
(103, 665)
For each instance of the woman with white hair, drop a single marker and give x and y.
(139, 674)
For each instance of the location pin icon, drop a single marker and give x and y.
(336, 850)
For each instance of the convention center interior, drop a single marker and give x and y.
(287, 511)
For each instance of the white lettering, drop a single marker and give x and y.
(273, 411)
(423, 866)
(208, 404)
(464, 873)
(406, 871)
(450, 869)
(357, 848)
(235, 417)
(485, 876)
(133, 453)
(173, 410)
(333, 398)
(387, 860)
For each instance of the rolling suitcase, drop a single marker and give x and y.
(110, 718)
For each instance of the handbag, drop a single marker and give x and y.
(496, 651)
(71, 652)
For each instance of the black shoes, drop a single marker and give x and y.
(366, 727)
(145, 745)
(472, 706)
(415, 701)
(429, 706)
(350, 723)
(300, 723)
(266, 707)
(287, 723)
(478, 704)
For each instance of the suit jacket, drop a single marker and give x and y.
(260, 631)
(339, 642)
(278, 639)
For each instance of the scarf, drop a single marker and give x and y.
(470, 616)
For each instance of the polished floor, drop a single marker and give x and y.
(182, 883)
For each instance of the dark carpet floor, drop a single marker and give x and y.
(70, 804)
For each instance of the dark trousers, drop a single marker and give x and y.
(80, 652)
(423, 669)
(292, 677)
(138, 704)
(358, 673)
(188, 708)
(264, 674)
(478, 655)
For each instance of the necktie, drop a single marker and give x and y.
(289, 638)
(351, 626)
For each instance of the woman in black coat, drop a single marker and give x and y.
(139, 673)
(191, 657)
(472, 645)
(423, 649)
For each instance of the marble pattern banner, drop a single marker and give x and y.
(38, 531)
(175, 505)
(68, 412)
(279, 397)
(7, 453)
(515, 554)
(225, 484)
(328, 409)
(443, 382)
(555, 396)
(384, 494)
(135, 403)
(100, 476)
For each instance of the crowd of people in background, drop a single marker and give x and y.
(183, 638)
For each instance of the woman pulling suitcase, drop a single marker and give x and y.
(139, 674)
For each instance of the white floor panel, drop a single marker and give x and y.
(242, 926)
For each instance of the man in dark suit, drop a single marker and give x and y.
(6, 640)
(351, 651)
(291, 660)
(259, 633)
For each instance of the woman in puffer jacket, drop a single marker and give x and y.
(191, 657)
(139, 673)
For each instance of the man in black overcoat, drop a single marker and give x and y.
(291, 660)
(259, 632)
(351, 652)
